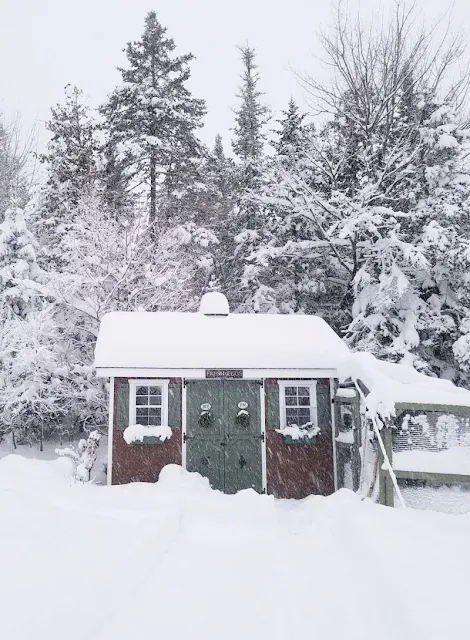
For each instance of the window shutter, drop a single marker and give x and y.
(174, 404)
(324, 404)
(272, 401)
(122, 405)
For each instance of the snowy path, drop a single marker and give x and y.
(176, 561)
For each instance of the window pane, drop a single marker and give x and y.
(304, 413)
(291, 417)
(155, 417)
(142, 391)
(304, 391)
(291, 401)
(140, 413)
(153, 391)
(304, 401)
(291, 391)
(155, 400)
(141, 399)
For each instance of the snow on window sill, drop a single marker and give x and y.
(295, 435)
(139, 434)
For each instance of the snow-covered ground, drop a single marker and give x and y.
(49, 453)
(177, 561)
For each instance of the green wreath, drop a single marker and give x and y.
(243, 419)
(206, 419)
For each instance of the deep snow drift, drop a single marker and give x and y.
(179, 561)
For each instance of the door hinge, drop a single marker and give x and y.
(186, 437)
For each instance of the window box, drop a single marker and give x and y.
(303, 441)
(148, 440)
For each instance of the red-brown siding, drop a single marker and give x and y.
(142, 462)
(297, 471)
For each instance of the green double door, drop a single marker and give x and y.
(223, 433)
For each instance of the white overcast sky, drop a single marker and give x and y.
(45, 44)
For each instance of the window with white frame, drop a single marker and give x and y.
(148, 404)
(298, 402)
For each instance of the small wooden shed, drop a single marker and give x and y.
(243, 399)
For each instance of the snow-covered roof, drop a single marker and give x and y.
(392, 384)
(197, 341)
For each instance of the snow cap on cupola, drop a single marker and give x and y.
(214, 303)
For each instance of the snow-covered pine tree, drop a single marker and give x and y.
(251, 116)
(290, 138)
(443, 215)
(217, 205)
(115, 182)
(151, 120)
(32, 394)
(248, 143)
(20, 276)
(71, 161)
(280, 273)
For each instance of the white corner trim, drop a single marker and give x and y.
(109, 472)
(133, 384)
(312, 385)
(264, 474)
(333, 431)
(183, 425)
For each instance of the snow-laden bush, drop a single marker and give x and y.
(85, 456)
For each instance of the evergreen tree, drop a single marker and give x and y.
(19, 272)
(72, 151)
(71, 160)
(220, 178)
(278, 270)
(152, 118)
(250, 118)
(116, 181)
(290, 139)
(248, 143)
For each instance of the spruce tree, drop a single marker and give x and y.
(248, 144)
(289, 140)
(72, 172)
(19, 271)
(250, 118)
(71, 155)
(152, 118)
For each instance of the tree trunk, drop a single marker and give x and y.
(153, 193)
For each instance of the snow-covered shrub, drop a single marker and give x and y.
(84, 457)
